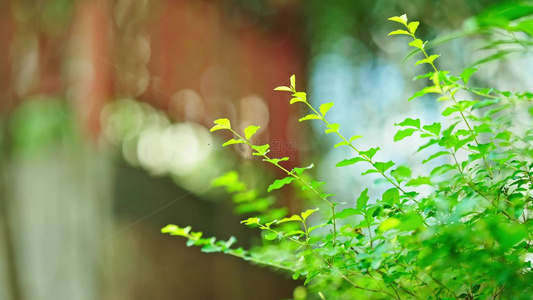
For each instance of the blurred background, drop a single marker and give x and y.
(105, 110)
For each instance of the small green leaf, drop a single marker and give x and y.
(383, 166)
(388, 224)
(308, 212)
(370, 152)
(435, 155)
(409, 122)
(261, 149)
(401, 173)
(433, 128)
(299, 171)
(401, 19)
(334, 127)
(362, 200)
(399, 31)
(250, 131)
(233, 141)
(290, 219)
(250, 221)
(429, 89)
(428, 60)
(279, 183)
(221, 124)
(299, 97)
(401, 134)
(283, 89)
(271, 236)
(449, 110)
(310, 117)
(345, 213)
(293, 82)
(467, 73)
(350, 161)
(343, 143)
(295, 100)
(391, 196)
(275, 160)
(413, 26)
(419, 181)
(355, 137)
(417, 44)
(324, 108)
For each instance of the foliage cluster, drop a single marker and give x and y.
(468, 238)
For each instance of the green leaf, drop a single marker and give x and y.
(343, 143)
(449, 110)
(401, 19)
(433, 128)
(426, 90)
(370, 152)
(399, 31)
(465, 75)
(283, 89)
(279, 183)
(299, 171)
(308, 212)
(261, 149)
(345, 213)
(250, 221)
(383, 166)
(221, 124)
(419, 181)
(295, 100)
(299, 97)
(233, 141)
(250, 131)
(428, 60)
(315, 227)
(409, 122)
(355, 137)
(176, 230)
(389, 224)
(350, 161)
(401, 134)
(293, 82)
(334, 127)
(401, 173)
(391, 196)
(275, 160)
(310, 117)
(417, 44)
(413, 26)
(271, 236)
(290, 219)
(314, 185)
(435, 155)
(362, 200)
(324, 108)
(410, 222)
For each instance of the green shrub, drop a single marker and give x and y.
(468, 238)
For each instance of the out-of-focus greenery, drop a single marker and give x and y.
(459, 231)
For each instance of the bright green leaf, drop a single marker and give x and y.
(308, 212)
(413, 26)
(350, 161)
(324, 108)
(310, 117)
(279, 183)
(250, 131)
(399, 31)
(401, 134)
(401, 19)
